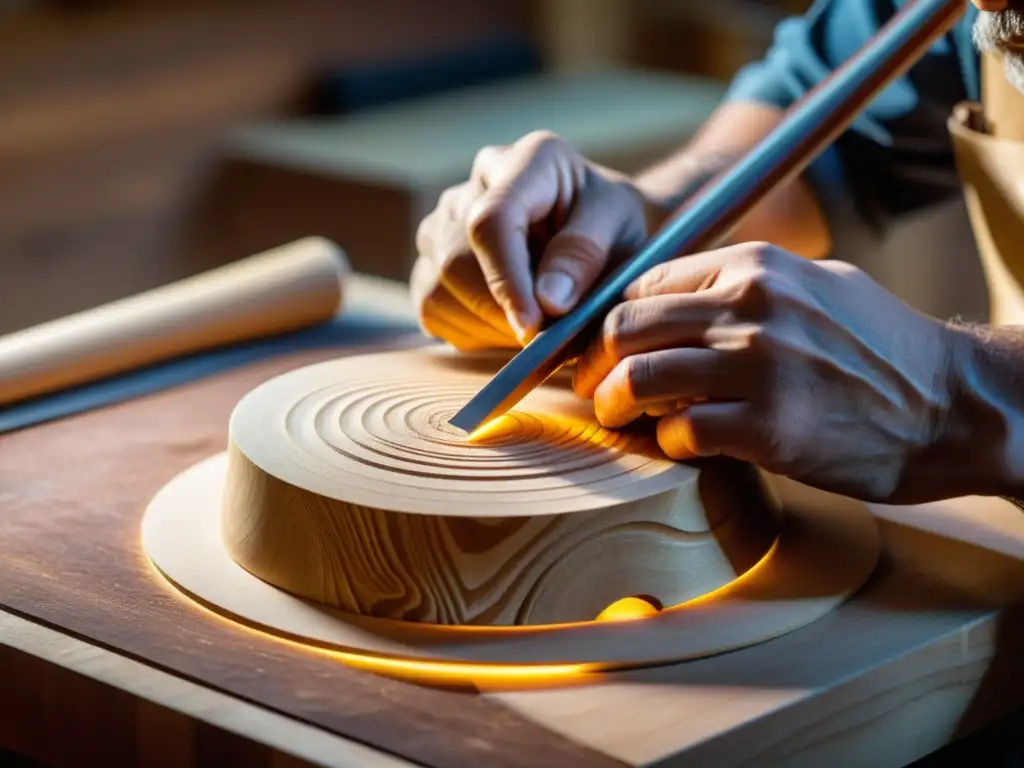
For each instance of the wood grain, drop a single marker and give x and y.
(926, 653)
(826, 548)
(347, 486)
(70, 557)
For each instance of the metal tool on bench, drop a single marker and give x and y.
(710, 215)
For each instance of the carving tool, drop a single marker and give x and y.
(714, 211)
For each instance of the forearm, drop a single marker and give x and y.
(788, 217)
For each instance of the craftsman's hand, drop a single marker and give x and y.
(808, 369)
(523, 238)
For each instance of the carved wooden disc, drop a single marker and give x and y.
(347, 486)
(826, 549)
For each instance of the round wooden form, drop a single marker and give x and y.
(822, 548)
(347, 486)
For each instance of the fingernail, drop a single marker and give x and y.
(556, 288)
(517, 327)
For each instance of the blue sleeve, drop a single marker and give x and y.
(896, 158)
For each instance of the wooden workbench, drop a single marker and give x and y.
(101, 663)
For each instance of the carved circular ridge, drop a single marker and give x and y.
(347, 486)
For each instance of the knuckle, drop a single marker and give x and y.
(616, 327)
(637, 374)
(458, 200)
(446, 260)
(431, 229)
(767, 256)
(759, 340)
(577, 251)
(760, 337)
(753, 293)
(484, 221)
(669, 442)
(700, 439)
(499, 288)
(704, 437)
(653, 279)
(762, 285)
(483, 159)
(448, 199)
(541, 140)
(439, 246)
(685, 436)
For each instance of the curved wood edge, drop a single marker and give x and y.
(828, 549)
(926, 653)
(431, 569)
(346, 486)
(70, 558)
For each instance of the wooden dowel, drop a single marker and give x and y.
(280, 290)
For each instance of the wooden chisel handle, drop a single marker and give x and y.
(280, 290)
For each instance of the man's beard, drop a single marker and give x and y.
(1003, 33)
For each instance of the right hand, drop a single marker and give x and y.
(522, 240)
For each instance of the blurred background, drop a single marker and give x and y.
(144, 141)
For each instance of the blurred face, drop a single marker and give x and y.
(1000, 29)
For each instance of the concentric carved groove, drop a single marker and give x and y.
(347, 486)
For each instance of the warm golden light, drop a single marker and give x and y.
(489, 429)
(482, 676)
(628, 608)
(442, 674)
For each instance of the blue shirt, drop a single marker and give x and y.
(897, 157)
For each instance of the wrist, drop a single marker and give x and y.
(789, 217)
(669, 185)
(979, 448)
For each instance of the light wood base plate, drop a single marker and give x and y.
(826, 550)
(105, 663)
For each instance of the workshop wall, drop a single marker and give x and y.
(111, 114)
(121, 169)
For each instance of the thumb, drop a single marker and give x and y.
(574, 258)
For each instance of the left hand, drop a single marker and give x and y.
(809, 369)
